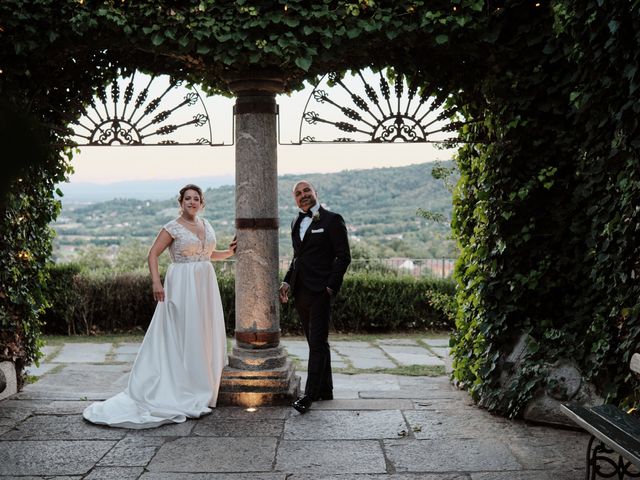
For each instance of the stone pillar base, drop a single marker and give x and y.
(8, 379)
(246, 383)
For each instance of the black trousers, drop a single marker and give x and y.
(314, 309)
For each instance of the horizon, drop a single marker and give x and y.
(156, 189)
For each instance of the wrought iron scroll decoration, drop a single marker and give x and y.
(395, 111)
(143, 113)
(602, 462)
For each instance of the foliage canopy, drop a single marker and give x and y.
(547, 207)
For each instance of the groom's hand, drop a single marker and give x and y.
(284, 292)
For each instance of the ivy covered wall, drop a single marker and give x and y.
(548, 211)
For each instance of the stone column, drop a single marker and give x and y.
(259, 371)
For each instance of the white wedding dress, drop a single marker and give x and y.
(176, 374)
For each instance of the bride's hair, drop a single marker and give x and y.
(191, 186)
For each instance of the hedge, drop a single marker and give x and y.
(82, 303)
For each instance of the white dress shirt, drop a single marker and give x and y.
(306, 221)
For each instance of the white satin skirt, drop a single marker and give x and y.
(176, 374)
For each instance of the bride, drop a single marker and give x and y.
(176, 374)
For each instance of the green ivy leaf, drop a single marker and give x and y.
(291, 22)
(441, 39)
(157, 39)
(303, 63)
(353, 32)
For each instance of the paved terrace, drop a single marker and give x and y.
(381, 426)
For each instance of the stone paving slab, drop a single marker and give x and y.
(536, 451)
(364, 404)
(393, 476)
(349, 386)
(380, 427)
(565, 474)
(124, 357)
(126, 352)
(370, 381)
(114, 473)
(432, 425)
(82, 378)
(47, 350)
(330, 456)
(216, 427)
(45, 477)
(132, 452)
(337, 364)
(414, 393)
(364, 356)
(83, 353)
(397, 341)
(345, 425)
(41, 369)
(210, 454)
(66, 427)
(53, 457)
(297, 348)
(447, 455)
(170, 430)
(214, 476)
(128, 347)
(409, 355)
(240, 413)
(446, 403)
(441, 351)
(436, 342)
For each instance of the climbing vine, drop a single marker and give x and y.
(547, 207)
(547, 211)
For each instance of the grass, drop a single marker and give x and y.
(117, 338)
(372, 337)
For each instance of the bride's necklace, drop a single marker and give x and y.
(195, 224)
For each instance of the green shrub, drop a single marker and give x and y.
(383, 303)
(84, 303)
(63, 297)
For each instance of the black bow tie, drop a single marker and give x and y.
(308, 213)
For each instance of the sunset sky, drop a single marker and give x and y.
(113, 164)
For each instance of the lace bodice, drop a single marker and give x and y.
(186, 246)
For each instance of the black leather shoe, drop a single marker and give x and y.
(303, 404)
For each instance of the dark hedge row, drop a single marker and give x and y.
(85, 304)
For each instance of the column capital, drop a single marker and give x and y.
(257, 83)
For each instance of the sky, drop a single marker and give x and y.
(104, 165)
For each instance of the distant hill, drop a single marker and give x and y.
(379, 206)
(138, 189)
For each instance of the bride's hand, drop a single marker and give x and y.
(158, 293)
(233, 246)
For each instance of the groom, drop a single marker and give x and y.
(320, 259)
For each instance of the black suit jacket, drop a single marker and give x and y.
(322, 258)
